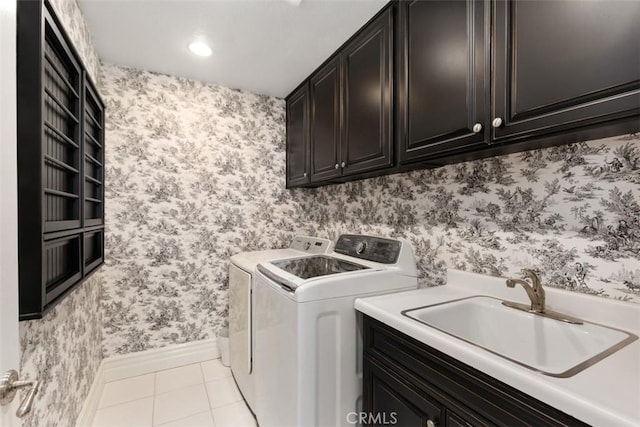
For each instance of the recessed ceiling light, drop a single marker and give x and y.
(200, 49)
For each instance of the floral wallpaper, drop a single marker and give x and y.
(196, 174)
(571, 212)
(70, 14)
(64, 349)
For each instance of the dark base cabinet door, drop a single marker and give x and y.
(389, 401)
(562, 65)
(298, 137)
(367, 142)
(325, 122)
(442, 62)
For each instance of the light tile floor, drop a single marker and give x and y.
(199, 395)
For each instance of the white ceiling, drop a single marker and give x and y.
(263, 46)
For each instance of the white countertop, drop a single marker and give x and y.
(605, 394)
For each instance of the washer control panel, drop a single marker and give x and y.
(376, 249)
(312, 245)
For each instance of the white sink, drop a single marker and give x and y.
(546, 345)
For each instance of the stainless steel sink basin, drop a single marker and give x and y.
(542, 344)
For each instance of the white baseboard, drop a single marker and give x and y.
(119, 367)
(90, 406)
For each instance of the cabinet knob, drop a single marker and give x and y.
(477, 128)
(337, 166)
(431, 423)
(343, 164)
(304, 175)
(497, 122)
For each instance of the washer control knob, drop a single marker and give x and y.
(307, 245)
(360, 247)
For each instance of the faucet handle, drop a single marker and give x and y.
(533, 275)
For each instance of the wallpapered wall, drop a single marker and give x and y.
(196, 173)
(63, 350)
(571, 212)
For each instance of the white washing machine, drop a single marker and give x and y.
(241, 273)
(308, 346)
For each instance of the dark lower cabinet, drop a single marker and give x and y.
(60, 163)
(443, 70)
(418, 386)
(562, 65)
(298, 137)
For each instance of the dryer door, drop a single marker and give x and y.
(240, 331)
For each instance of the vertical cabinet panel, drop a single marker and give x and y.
(61, 139)
(60, 163)
(325, 122)
(298, 137)
(93, 158)
(564, 64)
(442, 76)
(367, 90)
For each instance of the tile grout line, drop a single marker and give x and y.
(153, 403)
(183, 418)
(124, 403)
(206, 390)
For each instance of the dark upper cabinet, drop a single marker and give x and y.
(60, 127)
(298, 137)
(561, 65)
(431, 82)
(349, 129)
(367, 89)
(325, 140)
(443, 72)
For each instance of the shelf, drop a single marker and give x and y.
(60, 164)
(60, 172)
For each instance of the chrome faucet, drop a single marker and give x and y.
(534, 291)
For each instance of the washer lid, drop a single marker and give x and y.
(316, 266)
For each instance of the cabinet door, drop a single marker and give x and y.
(442, 76)
(389, 401)
(298, 137)
(325, 122)
(367, 90)
(561, 65)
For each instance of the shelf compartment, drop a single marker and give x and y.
(93, 250)
(62, 75)
(62, 266)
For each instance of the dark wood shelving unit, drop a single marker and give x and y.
(60, 163)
